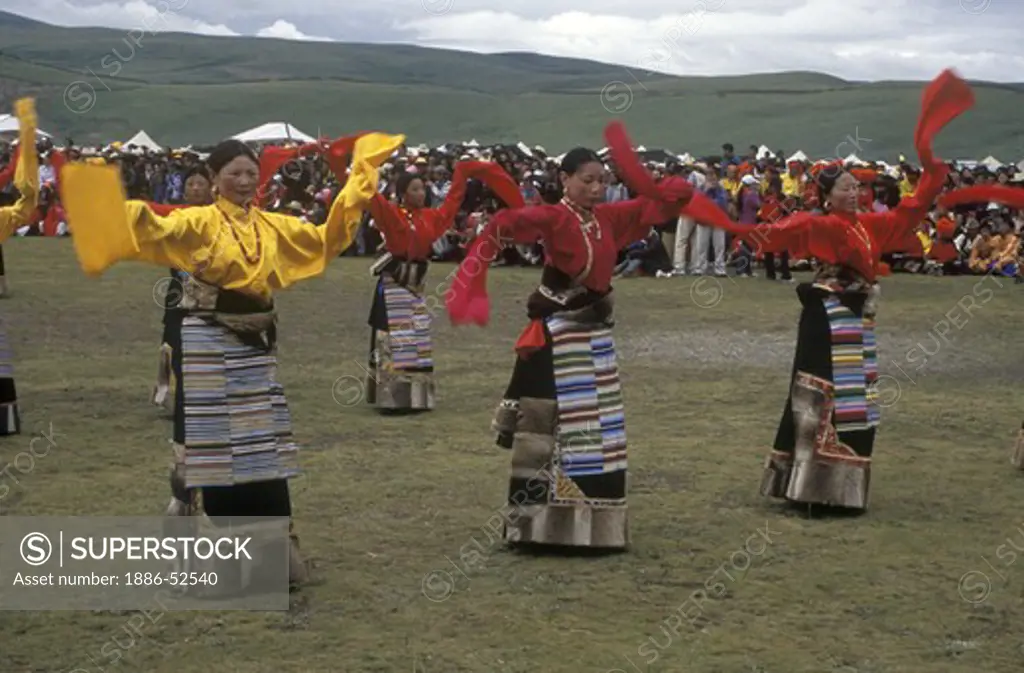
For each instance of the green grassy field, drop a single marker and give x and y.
(388, 505)
(98, 85)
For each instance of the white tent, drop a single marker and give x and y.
(797, 156)
(473, 143)
(854, 159)
(764, 153)
(142, 139)
(991, 163)
(9, 127)
(273, 132)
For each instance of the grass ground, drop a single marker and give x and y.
(389, 505)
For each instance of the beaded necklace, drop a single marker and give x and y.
(586, 219)
(257, 255)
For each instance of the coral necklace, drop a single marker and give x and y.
(256, 256)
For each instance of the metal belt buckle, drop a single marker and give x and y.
(382, 263)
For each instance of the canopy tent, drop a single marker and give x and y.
(797, 156)
(854, 159)
(657, 156)
(9, 127)
(143, 140)
(274, 132)
(991, 163)
(764, 153)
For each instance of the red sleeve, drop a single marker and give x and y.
(893, 231)
(491, 174)
(632, 220)
(675, 191)
(522, 225)
(467, 299)
(944, 99)
(390, 223)
(57, 160)
(272, 158)
(339, 152)
(1012, 197)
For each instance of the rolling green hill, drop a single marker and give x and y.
(98, 85)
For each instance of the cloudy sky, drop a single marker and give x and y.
(854, 39)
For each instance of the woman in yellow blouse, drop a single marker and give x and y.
(233, 443)
(26, 179)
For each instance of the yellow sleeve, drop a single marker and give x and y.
(107, 229)
(926, 241)
(304, 250)
(26, 174)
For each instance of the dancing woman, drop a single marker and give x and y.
(6, 176)
(198, 192)
(823, 447)
(562, 413)
(401, 376)
(236, 256)
(26, 179)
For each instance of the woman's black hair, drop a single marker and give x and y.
(226, 152)
(404, 180)
(576, 159)
(826, 181)
(887, 191)
(198, 170)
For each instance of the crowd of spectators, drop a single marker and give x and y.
(750, 188)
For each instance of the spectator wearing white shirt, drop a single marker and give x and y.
(615, 191)
(685, 228)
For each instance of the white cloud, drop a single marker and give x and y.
(854, 39)
(287, 31)
(134, 15)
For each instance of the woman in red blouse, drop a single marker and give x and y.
(562, 413)
(823, 447)
(401, 375)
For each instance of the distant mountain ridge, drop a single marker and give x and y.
(96, 85)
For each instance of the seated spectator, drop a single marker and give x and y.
(645, 258)
(1007, 257)
(983, 250)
